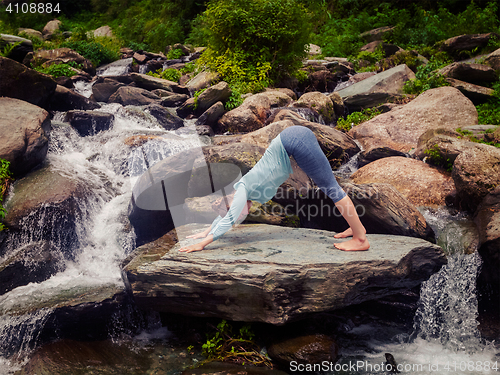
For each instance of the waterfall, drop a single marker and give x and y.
(108, 163)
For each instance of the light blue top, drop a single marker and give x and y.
(259, 184)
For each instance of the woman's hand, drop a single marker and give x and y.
(198, 235)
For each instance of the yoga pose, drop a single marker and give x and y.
(262, 181)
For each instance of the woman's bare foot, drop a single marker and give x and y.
(344, 234)
(353, 244)
(191, 248)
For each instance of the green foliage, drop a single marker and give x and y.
(169, 74)
(175, 53)
(426, 78)
(256, 42)
(470, 136)
(436, 157)
(357, 118)
(95, 51)
(224, 345)
(371, 58)
(5, 181)
(235, 100)
(489, 112)
(7, 50)
(190, 67)
(60, 70)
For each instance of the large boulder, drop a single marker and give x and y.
(249, 116)
(202, 80)
(487, 218)
(104, 88)
(320, 103)
(21, 46)
(128, 95)
(65, 99)
(467, 42)
(337, 146)
(477, 94)
(164, 116)
(51, 28)
(89, 122)
(421, 184)
(217, 93)
(24, 129)
(400, 129)
(476, 172)
(441, 147)
(377, 89)
(472, 73)
(493, 60)
(26, 84)
(211, 115)
(60, 56)
(152, 83)
(285, 275)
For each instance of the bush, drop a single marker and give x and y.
(426, 78)
(95, 51)
(256, 41)
(5, 180)
(357, 118)
(489, 112)
(169, 74)
(60, 70)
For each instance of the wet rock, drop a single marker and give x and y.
(217, 93)
(65, 99)
(249, 116)
(26, 84)
(152, 83)
(116, 68)
(187, 108)
(205, 130)
(318, 102)
(211, 115)
(24, 129)
(418, 182)
(89, 122)
(35, 262)
(369, 156)
(377, 89)
(476, 172)
(310, 349)
(104, 88)
(400, 129)
(174, 100)
(22, 46)
(239, 278)
(477, 94)
(471, 73)
(222, 368)
(166, 118)
(128, 95)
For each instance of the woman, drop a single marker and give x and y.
(262, 182)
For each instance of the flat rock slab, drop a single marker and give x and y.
(274, 274)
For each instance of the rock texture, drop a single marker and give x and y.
(400, 129)
(421, 184)
(274, 274)
(24, 130)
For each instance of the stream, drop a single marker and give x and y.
(444, 338)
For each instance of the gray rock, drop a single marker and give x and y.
(102, 90)
(116, 68)
(211, 115)
(202, 80)
(187, 108)
(51, 27)
(103, 31)
(89, 122)
(320, 103)
(217, 93)
(471, 73)
(377, 89)
(477, 94)
(493, 59)
(26, 84)
(174, 100)
(152, 83)
(24, 130)
(128, 95)
(166, 119)
(65, 99)
(274, 274)
(62, 55)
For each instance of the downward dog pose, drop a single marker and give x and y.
(262, 181)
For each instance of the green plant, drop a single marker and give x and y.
(5, 181)
(196, 95)
(60, 70)
(427, 77)
(7, 50)
(169, 74)
(223, 345)
(436, 157)
(95, 51)
(357, 118)
(471, 137)
(489, 112)
(235, 100)
(175, 53)
(256, 42)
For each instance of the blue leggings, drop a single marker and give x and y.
(301, 143)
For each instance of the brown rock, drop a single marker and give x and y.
(418, 182)
(62, 55)
(249, 116)
(466, 42)
(319, 103)
(127, 95)
(477, 94)
(476, 173)
(472, 73)
(310, 349)
(493, 59)
(400, 129)
(376, 34)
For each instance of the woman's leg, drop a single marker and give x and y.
(301, 143)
